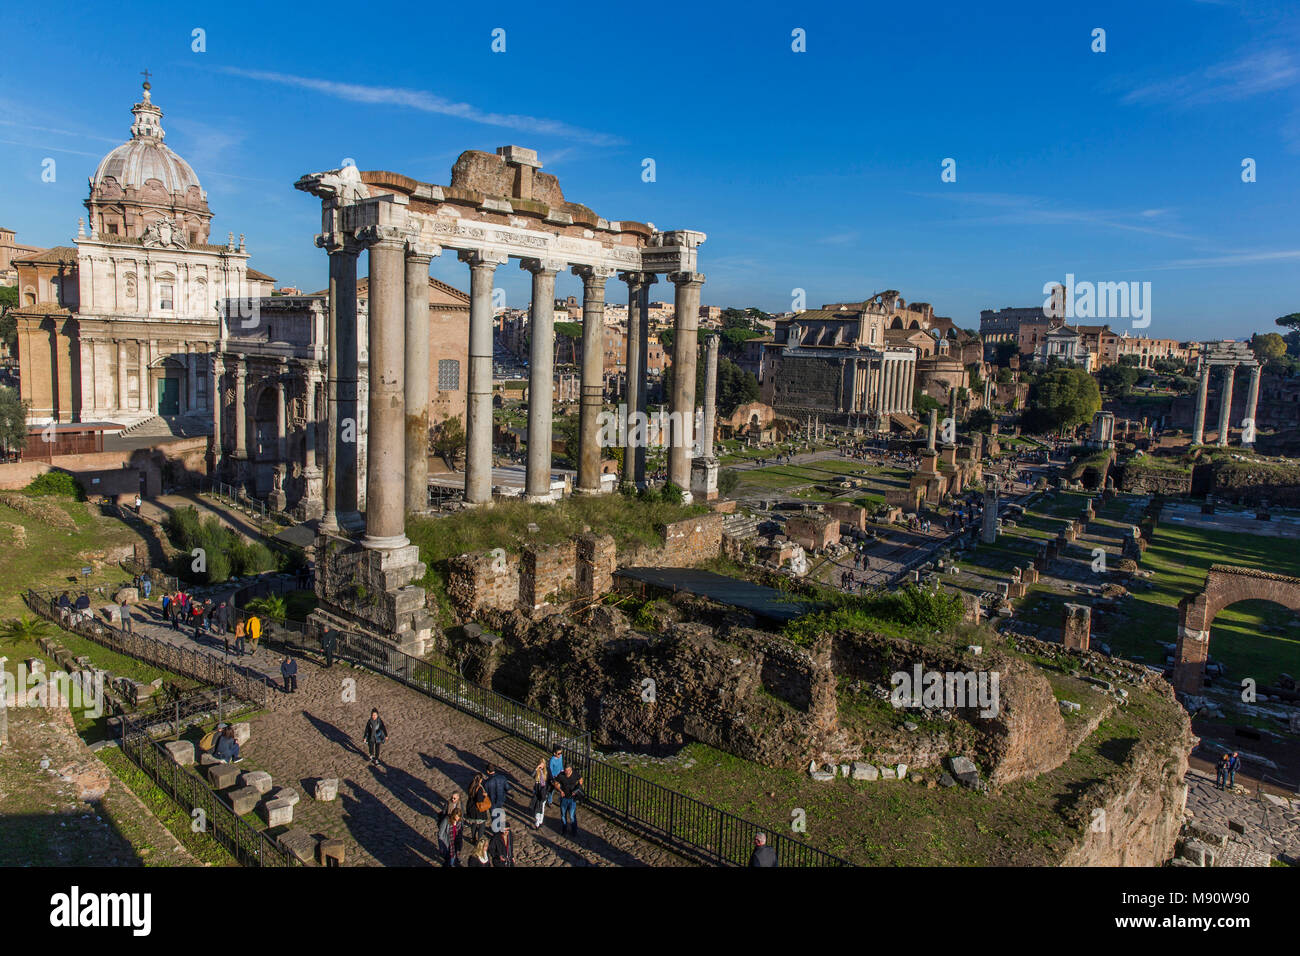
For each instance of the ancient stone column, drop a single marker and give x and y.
(241, 416)
(311, 380)
(478, 424)
(541, 377)
(1077, 633)
(386, 424)
(710, 395)
(416, 372)
(934, 422)
(1249, 425)
(643, 374)
(281, 423)
(142, 358)
(1225, 409)
(218, 408)
(593, 378)
(989, 522)
(634, 395)
(1202, 396)
(123, 394)
(686, 324)
(341, 412)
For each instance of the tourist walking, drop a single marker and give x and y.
(569, 783)
(479, 807)
(451, 835)
(541, 791)
(239, 638)
(289, 671)
(125, 613)
(497, 785)
(554, 767)
(1234, 764)
(327, 638)
(375, 734)
(763, 854)
(146, 585)
(1221, 770)
(502, 846)
(254, 632)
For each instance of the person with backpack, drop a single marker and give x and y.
(480, 807)
(375, 734)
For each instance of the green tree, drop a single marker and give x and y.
(735, 385)
(1061, 398)
(1118, 378)
(13, 420)
(450, 441)
(1268, 347)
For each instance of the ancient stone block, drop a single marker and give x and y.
(864, 771)
(326, 789)
(243, 732)
(278, 813)
(181, 751)
(244, 800)
(259, 780)
(222, 775)
(286, 793)
(331, 851)
(299, 843)
(1078, 626)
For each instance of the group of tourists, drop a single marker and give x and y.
(1226, 770)
(480, 822)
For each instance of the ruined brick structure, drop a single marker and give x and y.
(1225, 584)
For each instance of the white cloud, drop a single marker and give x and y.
(430, 103)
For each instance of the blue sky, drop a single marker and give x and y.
(817, 170)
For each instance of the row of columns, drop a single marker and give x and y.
(310, 377)
(397, 434)
(897, 381)
(1225, 403)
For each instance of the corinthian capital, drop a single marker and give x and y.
(373, 235)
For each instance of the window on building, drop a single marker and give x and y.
(112, 229)
(201, 388)
(165, 295)
(448, 375)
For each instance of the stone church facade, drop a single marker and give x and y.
(122, 326)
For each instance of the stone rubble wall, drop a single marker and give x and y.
(581, 567)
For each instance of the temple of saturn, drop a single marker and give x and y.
(1226, 355)
(496, 207)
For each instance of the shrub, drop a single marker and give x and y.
(56, 483)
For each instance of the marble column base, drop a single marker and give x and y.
(374, 591)
(540, 499)
(704, 479)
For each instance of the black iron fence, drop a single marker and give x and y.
(248, 846)
(203, 667)
(684, 824)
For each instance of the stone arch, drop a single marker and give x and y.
(1225, 584)
(896, 322)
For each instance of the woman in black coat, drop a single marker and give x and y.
(375, 734)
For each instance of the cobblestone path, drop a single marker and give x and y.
(387, 815)
(1271, 825)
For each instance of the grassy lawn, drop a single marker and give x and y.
(782, 477)
(1180, 556)
(49, 558)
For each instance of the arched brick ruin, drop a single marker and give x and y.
(1225, 584)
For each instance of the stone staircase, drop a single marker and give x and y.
(740, 526)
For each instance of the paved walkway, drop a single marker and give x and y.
(388, 815)
(1271, 825)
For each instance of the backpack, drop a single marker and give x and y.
(484, 803)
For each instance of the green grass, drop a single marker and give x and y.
(202, 847)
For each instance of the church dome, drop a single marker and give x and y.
(144, 180)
